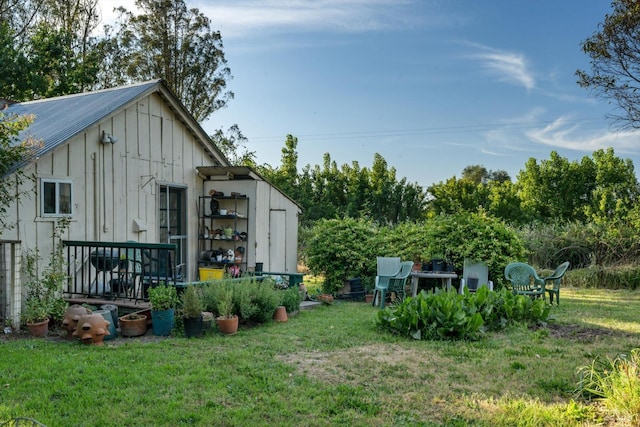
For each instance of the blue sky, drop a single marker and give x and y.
(431, 85)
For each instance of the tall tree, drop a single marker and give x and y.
(167, 40)
(12, 152)
(615, 62)
(47, 48)
(233, 146)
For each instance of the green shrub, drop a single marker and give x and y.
(476, 236)
(445, 315)
(252, 301)
(291, 299)
(616, 382)
(339, 249)
(163, 297)
(345, 248)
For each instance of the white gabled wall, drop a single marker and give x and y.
(114, 184)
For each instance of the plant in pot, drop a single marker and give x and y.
(163, 299)
(44, 292)
(192, 312)
(437, 262)
(227, 320)
(36, 316)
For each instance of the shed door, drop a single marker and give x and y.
(277, 240)
(173, 220)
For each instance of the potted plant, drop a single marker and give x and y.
(163, 299)
(44, 294)
(227, 320)
(437, 262)
(192, 312)
(36, 316)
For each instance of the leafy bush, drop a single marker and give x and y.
(616, 381)
(476, 236)
(291, 299)
(191, 303)
(446, 315)
(340, 249)
(163, 297)
(583, 245)
(252, 301)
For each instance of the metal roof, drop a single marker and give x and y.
(61, 118)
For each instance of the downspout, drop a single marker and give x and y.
(96, 213)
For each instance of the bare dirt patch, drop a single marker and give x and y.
(583, 333)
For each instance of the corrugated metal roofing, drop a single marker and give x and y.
(59, 119)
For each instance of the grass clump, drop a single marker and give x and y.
(615, 381)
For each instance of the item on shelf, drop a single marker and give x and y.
(223, 212)
(234, 270)
(243, 236)
(215, 206)
(214, 193)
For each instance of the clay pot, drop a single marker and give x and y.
(71, 316)
(92, 328)
(39, 329)
(228, 326)
(325, 298)
(133, 327)
(281, 314)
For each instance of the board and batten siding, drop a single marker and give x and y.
(113, 184)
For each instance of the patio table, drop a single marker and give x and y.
(445, 276)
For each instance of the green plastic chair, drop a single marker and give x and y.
(388, 267)
(524, 280)
(398, 283)
(555, 279)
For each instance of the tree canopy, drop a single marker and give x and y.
(615, 62)
(48, 48)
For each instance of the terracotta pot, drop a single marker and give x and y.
(325, 298)
(39, 329)
(71, 316)
(281, 314)
(133, 327)
(92, 328)
(228, 326)
(368, 298)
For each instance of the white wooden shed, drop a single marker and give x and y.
(130, 164)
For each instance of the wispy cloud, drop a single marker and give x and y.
(249, 17)
(509, 67)
(562, 133)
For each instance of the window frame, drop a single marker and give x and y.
(58, 182)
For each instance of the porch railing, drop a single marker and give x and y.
(119, 270)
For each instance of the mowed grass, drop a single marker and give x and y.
(324, 367)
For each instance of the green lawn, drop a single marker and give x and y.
(327, 366)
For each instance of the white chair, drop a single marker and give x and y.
(474, 269)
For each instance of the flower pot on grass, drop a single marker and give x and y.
(38, 329)
(133, 325)
(192, 313)
(163, 299)
(281, 314)
(228, 325)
